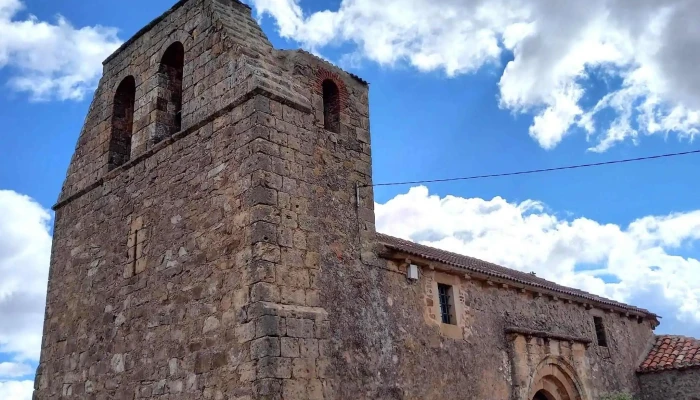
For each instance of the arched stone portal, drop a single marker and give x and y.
(555, 380)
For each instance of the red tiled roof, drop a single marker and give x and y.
(497, 271)
(672, 352)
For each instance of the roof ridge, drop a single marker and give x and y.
(470, 257)
(678, 337)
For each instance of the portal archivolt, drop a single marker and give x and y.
(555, 380)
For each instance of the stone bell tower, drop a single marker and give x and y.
(209, 237)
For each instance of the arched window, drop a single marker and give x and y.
(122, 123)
(169, 99)
(331, 106)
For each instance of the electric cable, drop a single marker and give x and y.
(535, 171)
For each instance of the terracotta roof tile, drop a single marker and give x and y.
(490, 269)
(672, 352)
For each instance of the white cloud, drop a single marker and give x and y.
(25, 248)
(15, 370)
(16, 390)
(560, 48)
(51, 60)
(635, 259)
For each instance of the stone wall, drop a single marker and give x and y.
(671, 385)
(418, 359)
(194, 269)
(236, 258)
(543, 362)
(166, 317)
(225, 54)
(308, 225)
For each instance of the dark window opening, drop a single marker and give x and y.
(331, 106)
(169, 101)
(600, 331)
(135, 255)
(445, 297)
(122, 123)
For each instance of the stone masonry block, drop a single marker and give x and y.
(266, 179)
(293, 257)
(263, 212)
(263, 232)
(289, 347)
(299, 239)
(312, 260)
(255, 162)
(259, 271)
(263, 291)
(315, 390)
(289, 219)
(202, 362)
(304, 368)
(295, 389)
(308, 348)
(270, 325)
(291, 295)
(247, 372)
(268, 252)
(265, 347)
(241, 297)
(261, 195)
(261, 145)
(323, 329)
(262, 104)
(140, 265)
(285, 237)
(324, 348)
(279, 137)
(293, 277)
(323, 367)
(313, 298)
(274, 367)
(300, 328)
(268, 389)
(259, 131)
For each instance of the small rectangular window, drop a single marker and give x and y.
(445, 297)
(600, 331)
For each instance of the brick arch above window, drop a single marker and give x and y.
(335, 98)
(323, 75)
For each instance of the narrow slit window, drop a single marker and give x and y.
(445, 298)
(600, 331)
(169, 100)
(137, 257)
(135, 250)
(331, 106)
(122, 123)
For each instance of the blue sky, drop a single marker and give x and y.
(444, 105)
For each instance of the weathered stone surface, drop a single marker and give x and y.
(671, 385)
(232, 260)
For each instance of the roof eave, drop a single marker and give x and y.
(403, 254)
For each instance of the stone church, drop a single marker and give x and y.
(215, 239)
